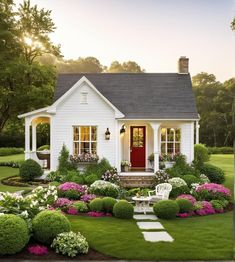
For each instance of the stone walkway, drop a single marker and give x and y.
(152, 236)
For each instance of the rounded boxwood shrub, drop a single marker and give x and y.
(214, 173)
(96, 205)
(80, 206)
(123, 209)
(108, 203)
(48, 224)
(14, 234)
(30, 169)
(185, 205)
(166, 209)
(190, 179)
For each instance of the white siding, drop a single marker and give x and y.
(187, 141)
(71, 112)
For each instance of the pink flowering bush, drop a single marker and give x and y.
(63, 202)
(203, 208)
(88, 197)
(183, 215)
(210, 191)
(38, 250)
(188, 197)
(72, 211)
(98, 214)
(71, 190)
(72, 186)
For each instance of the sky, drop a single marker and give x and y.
(154, 33)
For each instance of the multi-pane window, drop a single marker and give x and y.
(84, 139)
(170, 140)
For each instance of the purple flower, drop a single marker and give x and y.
(72, 186)
(88, 197)
(38, 250)
(203, 208)
(214, 188)
(98, 214)
(183, 215)
(61, 202)
(72, 211)
(188, 197)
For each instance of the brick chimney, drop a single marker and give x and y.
(183, 65)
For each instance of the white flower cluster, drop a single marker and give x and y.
(39, 199)
(177, 182)
(70, 244)
(101, 184)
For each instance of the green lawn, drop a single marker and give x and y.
(197, 238)
(226, 163)
(9, 171)
(16, 158)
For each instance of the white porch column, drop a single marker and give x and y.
(27, 138)
(197, 132)
(118, 146)
(156, 152)
(34, 137)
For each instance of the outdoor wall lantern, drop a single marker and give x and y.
(107, 134)
(123, 129)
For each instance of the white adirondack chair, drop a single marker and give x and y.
(161, 192)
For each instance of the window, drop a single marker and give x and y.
(83, 98)
(170, 140)
(84, 139)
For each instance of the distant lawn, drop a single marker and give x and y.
(18, 157)
(226, 163)
(6, 172)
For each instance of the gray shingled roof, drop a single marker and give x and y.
(141, 96)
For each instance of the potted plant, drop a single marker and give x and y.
(151, 160)
(167, 159)
(125, 165)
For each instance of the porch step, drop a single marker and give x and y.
(132, 180)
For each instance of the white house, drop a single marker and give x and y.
(145, 113)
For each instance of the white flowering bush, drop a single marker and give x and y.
(70, 244)
(27, 207)
(177, 182)
(204, 179)
(104, 188)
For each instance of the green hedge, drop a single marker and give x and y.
(220, 150)
(7, 151)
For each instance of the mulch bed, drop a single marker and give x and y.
(24, 255)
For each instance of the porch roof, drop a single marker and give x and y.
(141, 96)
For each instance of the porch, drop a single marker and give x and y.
(140, 139)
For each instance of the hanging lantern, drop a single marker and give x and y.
(107, 134)
(123, 129)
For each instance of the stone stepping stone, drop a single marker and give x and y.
(150, 225)
(145, 217)
(157, 236)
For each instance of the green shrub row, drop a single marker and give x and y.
(105, 204)
(11, 164)
(7, 151)
(220, 150)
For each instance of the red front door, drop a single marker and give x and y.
(138, 146)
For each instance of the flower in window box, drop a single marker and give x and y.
(84, 157)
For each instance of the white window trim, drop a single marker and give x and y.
(86, 141)
(172, 142)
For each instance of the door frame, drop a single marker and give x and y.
(146, 144)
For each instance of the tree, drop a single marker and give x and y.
(214, 103)
(25, 84)
(125, 67)
(233, 24)
(81, 65)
